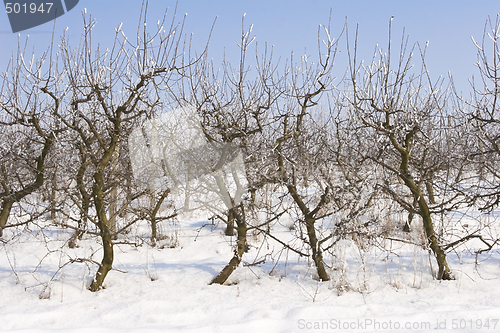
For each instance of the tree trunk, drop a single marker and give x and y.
(106, 236)
(444, 270)
(240, 249)
(411, 215)
(154, 208)
(107, 260)
(53, 196)
(152, 215)
(85, 197)
(4, 215)
(113, 209)
(82, 224)
(113, 204)
(430, 192)
(229, 231)
(310, 220)
(317, 255)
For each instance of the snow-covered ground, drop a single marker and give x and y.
(154, 289)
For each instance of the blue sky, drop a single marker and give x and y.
(289, 26)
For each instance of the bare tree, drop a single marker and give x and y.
(28, 132)
(232, 107)
(298, 144)
(111, 91)
(402, 111)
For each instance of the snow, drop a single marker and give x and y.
(155, 289)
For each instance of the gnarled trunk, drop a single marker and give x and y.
(317, 254)
(240, 248)
(105, 233)
(444, 272)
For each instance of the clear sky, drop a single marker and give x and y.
(290, 26)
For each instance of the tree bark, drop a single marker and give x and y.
(444, 272)
(100, 206)
(430, 192)
(411, 215)
(229, 231)
(113, 203)
(317, 255)
(85, 198)
(240, 248)
(154, 207)
(4, 215)
(53, 193)
(106, 236)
